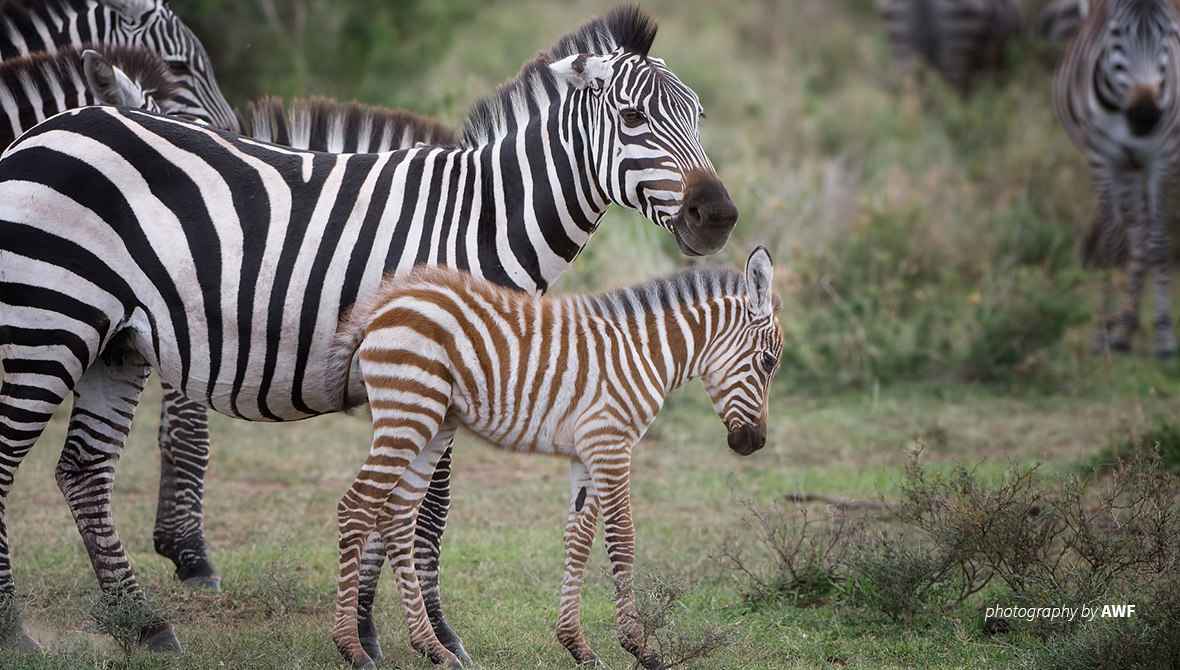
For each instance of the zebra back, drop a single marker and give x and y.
(1059, 21)
(36, 87)
(30, 26)
(960, 39)
(323, 124)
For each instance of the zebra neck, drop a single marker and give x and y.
(691, 337)
(538, 199)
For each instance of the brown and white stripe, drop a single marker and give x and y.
(580, 377)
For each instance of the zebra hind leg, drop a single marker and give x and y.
(31, 391)
(428, 532)
(104, 403)
(179, 534)
(372, 558)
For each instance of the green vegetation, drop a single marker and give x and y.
(925, 247)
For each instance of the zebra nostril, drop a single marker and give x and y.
(692, 214)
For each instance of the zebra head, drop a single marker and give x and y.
(643, 126)
(152, 23)
(1137, 64)
(743, 361)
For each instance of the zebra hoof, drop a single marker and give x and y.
(163, 642)
(1120, 347)
(366, 664)
(1165, 354)
(461, 654)
(27, 644)
(204, 583)
(372, 647)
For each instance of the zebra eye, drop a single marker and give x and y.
(632, 117)
(768, 362)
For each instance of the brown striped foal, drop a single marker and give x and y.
(579, 377)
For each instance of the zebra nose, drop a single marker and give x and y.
(746, 439)
(1143, 112)
(710, 206)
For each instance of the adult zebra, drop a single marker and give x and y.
(35, 87)
(225, 263)
(29, 26)
(1116, 97)
(960, 39)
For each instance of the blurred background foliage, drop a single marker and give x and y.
(918, 235)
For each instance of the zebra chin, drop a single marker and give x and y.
(747, 438)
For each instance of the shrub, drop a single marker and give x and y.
(679, 644)
(897, 577)
(1164, 436)
(122, 615)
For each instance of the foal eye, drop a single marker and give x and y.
(768, 362)
(632, 117)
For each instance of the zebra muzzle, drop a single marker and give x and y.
(1144, 112)
(746, 439)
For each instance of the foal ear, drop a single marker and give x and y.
(108, 84)
(583, 71)
(759, 271)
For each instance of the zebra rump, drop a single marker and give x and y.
(323, 124)
(38, 86)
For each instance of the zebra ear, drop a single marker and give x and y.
(132, 10)
(759, 271)
(107, 83)
(583, 71)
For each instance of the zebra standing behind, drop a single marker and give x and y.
(580, 377)
(29, 26)
(1116, 97)
(961, 39)
(35, 88)
(225, 263)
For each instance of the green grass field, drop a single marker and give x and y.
(918, 236)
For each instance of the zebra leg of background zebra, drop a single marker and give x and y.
(397, 442)
(1132, 203)
(31, 392)
(580, 528)
(184, 456)
(104, 403)
(397, 524)
(610, 468)
(1158, 251)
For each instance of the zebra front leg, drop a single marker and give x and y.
(104, 404)
(611, 471)
(428, 532)
(580, 527)
(1132, 207)
(398, 523)
(1158, 249)
(184, 457)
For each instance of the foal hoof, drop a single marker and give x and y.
(163, 641)
(461, 654)
(204, 582)
(372, 647)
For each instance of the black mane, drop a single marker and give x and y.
(625, 27)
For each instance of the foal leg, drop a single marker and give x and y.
(104, 404)
(397, 524)
(184, 456)
(610, 469)
(580, 527)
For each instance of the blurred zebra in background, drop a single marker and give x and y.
(1115, 95)
(962, 40)
(29, 26)
(35, 88)
(1059, 21)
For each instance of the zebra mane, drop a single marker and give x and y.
(143, 66)
(625, 27)
(323, 124)
(688, 286)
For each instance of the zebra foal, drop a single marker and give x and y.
(1115, 96)
(580, 377)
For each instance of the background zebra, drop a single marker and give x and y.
(961, 39)
(240, 256)
(29, 26)
(35, 88)
(1059, 21)
(580, 377)
(1115, 95)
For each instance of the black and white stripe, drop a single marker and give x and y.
(225, 263)
(1116, 97)
(30, 26)
(961, 39)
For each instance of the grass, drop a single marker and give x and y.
(923, 243)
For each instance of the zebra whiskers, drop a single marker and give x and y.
(579, 377)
